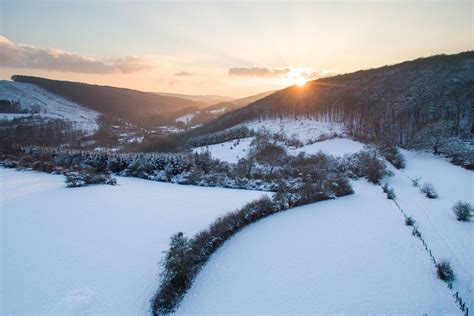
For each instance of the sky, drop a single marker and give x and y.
(222, 48)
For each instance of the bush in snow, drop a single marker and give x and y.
(463, 211)
(409, 221)
(392, 154)
(445, 272)
(416, 182)
(367, 164)
(389, 191)
(77, 179)
(429, 191)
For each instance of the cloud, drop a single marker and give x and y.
(258, 72)
(183, 74)
(26, 56)
(316, 74)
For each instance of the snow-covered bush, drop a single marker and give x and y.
(392, 154)
(409, 221)
(445, 272)
(80, 179)
(416, 182)
(463, 211)
(368, 165)
(429, 191)
(389, 191)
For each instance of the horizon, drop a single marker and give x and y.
(155, 51)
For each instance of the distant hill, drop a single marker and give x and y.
(424, 103)
(232, 105)
(204, 100)
(144, 108)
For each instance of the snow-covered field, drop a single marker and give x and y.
(447, 237)
(49, 105)
(230, 151)
(185, 118)
(12, 116)
(353, 255)
(305, 129)
(335, 147)
(93, 250)
(233, 150)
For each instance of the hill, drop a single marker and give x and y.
(143, 108)
(204, 100)
(425, 103)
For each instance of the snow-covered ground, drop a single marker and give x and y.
(230, 151)
(233, 150)
(12, 116)
(49, 105)
(350, 256)
(335, 147)
(448, 238)
(93, 250)
(186, 118)
(305, 129)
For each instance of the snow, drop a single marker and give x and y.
(49, 105)
(230, 151)
(447, 237)
(305, 129)
(353, 255)
(218, 111)
(94, 250)
(233, 150)
(335, 147)
(185, 118)
(12, 116)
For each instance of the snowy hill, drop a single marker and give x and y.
(422, 104)
(93, 250)
(42, 103)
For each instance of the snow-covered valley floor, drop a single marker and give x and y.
(353, 255)
(94, 250)
(232, 151)
(448, 238)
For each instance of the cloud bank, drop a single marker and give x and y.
(258, 72)
(183, 74)
(26, 56)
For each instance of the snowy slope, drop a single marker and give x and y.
(348, 256)
(335, 147)
(305, 129)
(448, 238)
(186, 118)
(93, 250)
(48, 105)
(233, 150)
(230, 151)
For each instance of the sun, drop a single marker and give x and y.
(300, 81)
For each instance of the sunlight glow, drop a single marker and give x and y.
(300, 81)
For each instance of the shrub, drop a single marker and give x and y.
(76, 179)
(463, 211)
(429, 191)
(416, 182)
(366, 164)
(393, 155)
(409, 221)
(445, 272)
(389, 191)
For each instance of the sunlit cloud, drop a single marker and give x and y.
(258, 72)
(27, 56)
(183, 74)
(290, 73)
